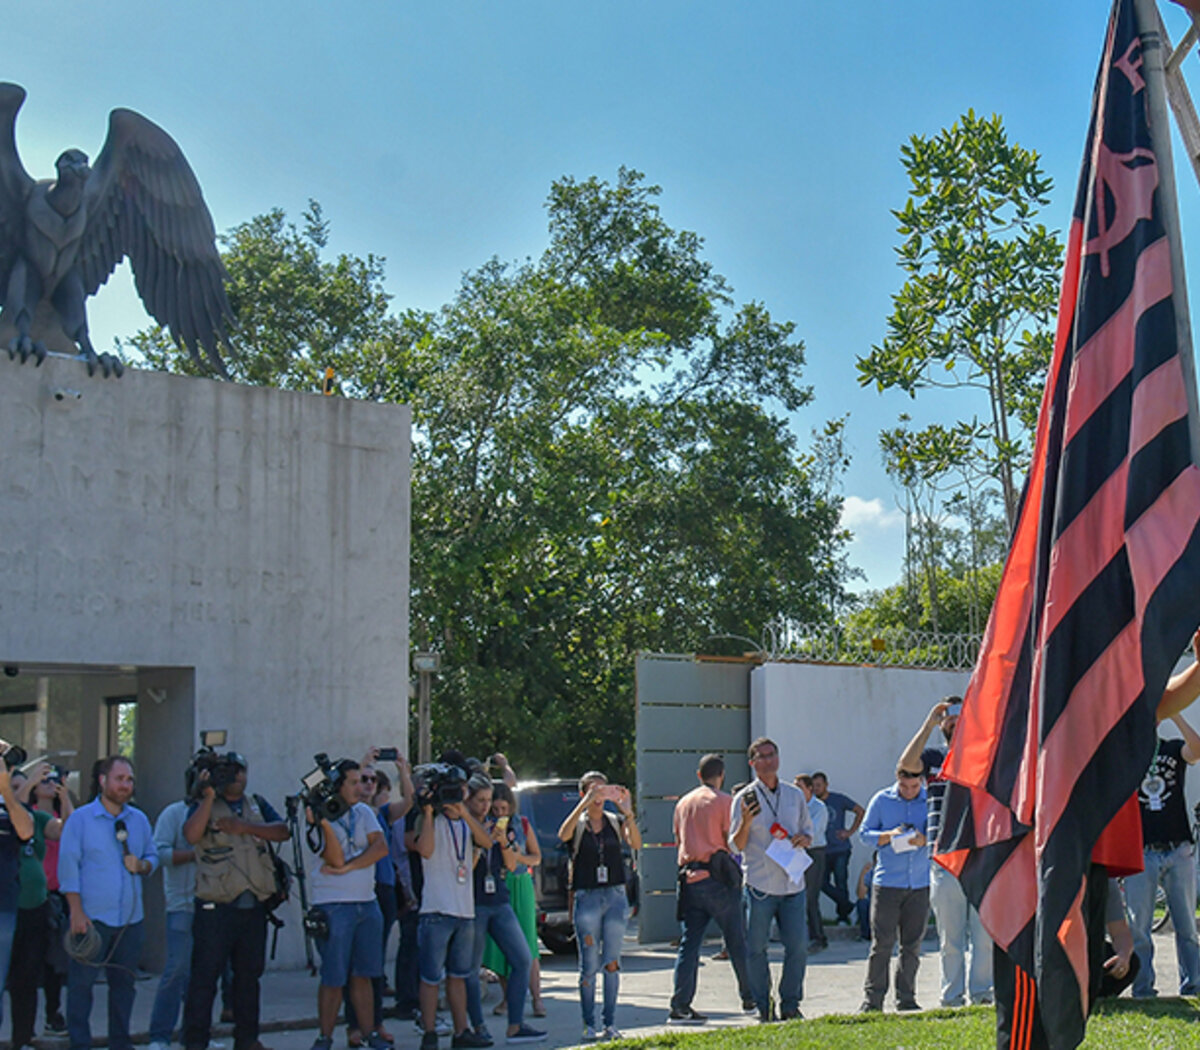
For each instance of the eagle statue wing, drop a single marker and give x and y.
(143, 201)
(15, 183)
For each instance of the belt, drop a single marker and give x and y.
(1166, 847)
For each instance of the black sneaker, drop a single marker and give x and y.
(791, 1015)
(908, 1005)
(686, 1016)
(55, 1025)
(429, 1041)
(749, 1006)
(469, 1040)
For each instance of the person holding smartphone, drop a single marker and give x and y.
(594, 838)
(765, 810)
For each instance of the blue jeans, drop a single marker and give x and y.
(501, 922)
(1176, 870)
(120, 948)
(172, 986)
(958, 923)
(8, 930)
(354, 947)
(790, 913)
(599, 931)
(701, 902)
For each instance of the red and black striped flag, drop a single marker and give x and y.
(1101, 588)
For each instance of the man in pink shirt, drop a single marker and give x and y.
(708, 889)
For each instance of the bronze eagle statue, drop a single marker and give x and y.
(61, 239)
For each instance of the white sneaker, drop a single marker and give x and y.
(440, 1025)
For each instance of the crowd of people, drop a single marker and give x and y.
(764, 854)
(447, 864)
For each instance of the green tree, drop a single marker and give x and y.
(596, 470)
(980, 290)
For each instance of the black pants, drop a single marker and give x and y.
(1018, 1014)
(223, 934)
(408, 977)
(814, 878)
(25, 971)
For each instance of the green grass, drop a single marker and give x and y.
(1161, 1024)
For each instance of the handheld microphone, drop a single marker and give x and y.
(122, 836)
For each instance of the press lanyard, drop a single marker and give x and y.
(460, 852)
(766, 797)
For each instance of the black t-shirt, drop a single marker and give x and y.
(414, 858)
(1161, 794)
(593, 847)
(490, 863)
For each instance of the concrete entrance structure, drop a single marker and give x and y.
(220, 556)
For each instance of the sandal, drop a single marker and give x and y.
(500, 1008)
(354, 1038)
(539, 1009)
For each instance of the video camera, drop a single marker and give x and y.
(15, 756)
(321, 792)
(222, 767)
(438, 784)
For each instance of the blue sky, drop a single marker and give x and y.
(431, 132)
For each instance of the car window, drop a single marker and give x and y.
(547, 808)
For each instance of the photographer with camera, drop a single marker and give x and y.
(30, 939)
(51, 797)
(235, 877)
(107, 849)
(446, 935)
(343, 889)
(375, 789)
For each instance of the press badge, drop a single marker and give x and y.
(602, 874)
(489, 884)
(462, 873)
(779, 831)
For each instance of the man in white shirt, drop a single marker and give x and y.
(764, 812)
(814, 877)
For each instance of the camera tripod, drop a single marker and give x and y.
(292, 803)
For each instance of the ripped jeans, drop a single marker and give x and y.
(599, 931)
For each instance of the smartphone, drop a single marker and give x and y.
(502, 824)
(388, 754)
(611, 793)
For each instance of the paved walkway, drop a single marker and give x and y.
(833, 985)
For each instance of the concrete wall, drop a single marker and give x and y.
(256, 536)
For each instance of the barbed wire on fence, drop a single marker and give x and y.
(883, 647)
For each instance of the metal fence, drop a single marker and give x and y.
(883, 647)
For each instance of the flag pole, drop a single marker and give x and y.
(1154, 72)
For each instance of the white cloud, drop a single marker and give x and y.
(862, 515)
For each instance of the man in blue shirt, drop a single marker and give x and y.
(894, 826)
(107, 849)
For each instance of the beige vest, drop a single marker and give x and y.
(228, 865)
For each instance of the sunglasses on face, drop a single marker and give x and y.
(904, 774)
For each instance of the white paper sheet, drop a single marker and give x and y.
(904, 843)
(793, 861)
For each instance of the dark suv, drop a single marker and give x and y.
(546, 804)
